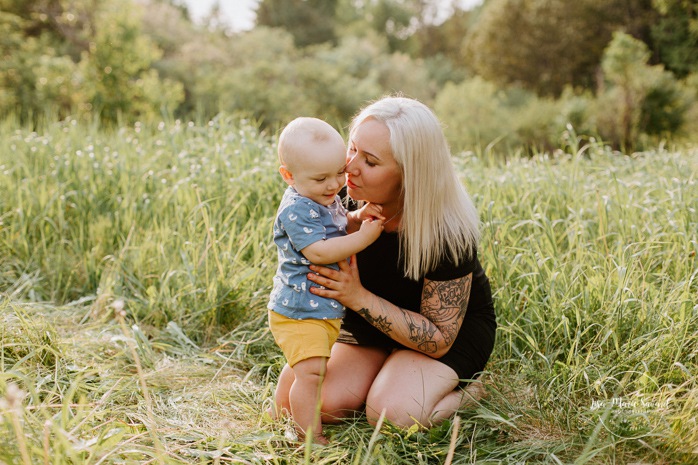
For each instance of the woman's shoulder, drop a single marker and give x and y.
(451, 266)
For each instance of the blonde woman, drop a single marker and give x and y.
(420, 324)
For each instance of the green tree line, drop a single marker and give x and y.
(507, 74)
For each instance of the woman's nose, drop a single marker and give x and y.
(350, 164)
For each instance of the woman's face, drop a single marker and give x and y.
(373, 174)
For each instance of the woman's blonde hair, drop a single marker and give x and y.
(438, 219)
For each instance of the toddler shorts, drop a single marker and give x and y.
(302, 339)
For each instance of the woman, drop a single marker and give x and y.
(422, 323)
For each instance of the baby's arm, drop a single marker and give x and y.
(370, 211)
(340, 248)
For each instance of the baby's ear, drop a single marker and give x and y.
(286, 174)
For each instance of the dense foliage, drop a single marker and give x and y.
(542, 64)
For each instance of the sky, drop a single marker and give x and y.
(240, 13)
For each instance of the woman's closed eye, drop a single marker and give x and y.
(368, 159)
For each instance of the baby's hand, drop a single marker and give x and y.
(371, 211)
(372, 228)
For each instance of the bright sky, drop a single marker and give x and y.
(240, 13)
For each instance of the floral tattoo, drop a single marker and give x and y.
(444, 304)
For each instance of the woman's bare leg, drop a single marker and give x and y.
(456, 400)
(351, 370)
(410, 386)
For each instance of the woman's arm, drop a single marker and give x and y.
(432, 332)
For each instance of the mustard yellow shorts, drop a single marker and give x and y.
(301, 339)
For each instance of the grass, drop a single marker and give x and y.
(135, 266)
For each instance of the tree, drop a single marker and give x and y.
(636, 98)
(117, 68)
(76, 56)
(308, 21)
(675, 35)
(38, 41)
(446, 38)
(545, 45)
(474, 113)
(441, 47)
(168, 26)
(65, 24)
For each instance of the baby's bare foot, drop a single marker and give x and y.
(317, 438)
(275, 412)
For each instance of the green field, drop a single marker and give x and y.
(135, 265)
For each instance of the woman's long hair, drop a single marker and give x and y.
(438, 218)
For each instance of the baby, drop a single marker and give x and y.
(311, 226)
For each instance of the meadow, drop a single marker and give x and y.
(135, 265)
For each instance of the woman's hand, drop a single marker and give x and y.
(343, 285)
(370, 211)
(430, 331)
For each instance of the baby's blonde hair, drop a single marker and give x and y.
(295, 137)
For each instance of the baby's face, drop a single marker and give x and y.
(320, 175)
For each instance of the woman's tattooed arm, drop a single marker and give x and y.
(379, 322)
(432, 331)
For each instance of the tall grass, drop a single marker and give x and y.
(172, 218)
(135, 266)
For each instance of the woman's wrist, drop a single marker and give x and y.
(360, 300)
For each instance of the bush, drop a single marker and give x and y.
(637, 100)
(474, 114)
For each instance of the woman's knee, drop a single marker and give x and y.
(392, 409)
(336, 409)
(350, 372)
(338, 402)
(408, 387)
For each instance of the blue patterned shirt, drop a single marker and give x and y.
(299, 223)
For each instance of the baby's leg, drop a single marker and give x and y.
(304, 397)
(282, 406)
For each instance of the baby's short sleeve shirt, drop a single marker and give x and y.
(300, 222)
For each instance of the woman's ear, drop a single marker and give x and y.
(287, 175)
